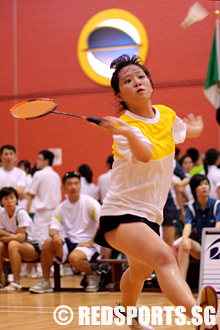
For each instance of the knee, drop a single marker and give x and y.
(13, 245)
(76, 260)
(165, 257)
(48, 243)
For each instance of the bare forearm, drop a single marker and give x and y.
(187, 231)
(139, 148)
(13, 237)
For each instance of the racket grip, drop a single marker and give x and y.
(94, 120)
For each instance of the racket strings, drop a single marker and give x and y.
(33, 108)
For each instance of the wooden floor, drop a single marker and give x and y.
(26, 311)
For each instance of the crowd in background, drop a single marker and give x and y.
(192, 204)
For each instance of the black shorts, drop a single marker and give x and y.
(108, 223)
(36, 246)
(170, 216)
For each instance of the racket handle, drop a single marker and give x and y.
(94, 120)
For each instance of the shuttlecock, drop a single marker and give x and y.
(196, 13)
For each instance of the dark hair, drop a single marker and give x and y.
(8, 146)
(26, 164)
(5, 191)
(194, 154)
(177, 151)
(195, 182)
(211, 156)
(110, 161)
(181, 160)
(47, 155)
(86, 172)
(69, 175)
(121, 62)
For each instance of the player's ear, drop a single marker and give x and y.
(119, 97)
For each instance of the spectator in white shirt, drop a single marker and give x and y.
(10, 175)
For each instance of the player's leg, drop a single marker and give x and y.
(141, 244)
(132, 282)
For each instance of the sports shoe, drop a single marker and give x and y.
(92, 283)
(43, 286)
(207, 297)
(137, 326)
(135, 323)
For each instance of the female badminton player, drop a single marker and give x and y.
(143, 149)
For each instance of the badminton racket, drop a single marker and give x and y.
(37, 108)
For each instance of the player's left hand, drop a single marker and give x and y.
(194, 124)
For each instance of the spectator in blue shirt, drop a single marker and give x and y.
(204, 212)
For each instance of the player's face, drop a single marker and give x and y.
(187, 164)
(72, 187)
(9, 202)
(134, 85)
(8, 157)
(203, 189)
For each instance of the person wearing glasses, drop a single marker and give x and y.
(78, 215)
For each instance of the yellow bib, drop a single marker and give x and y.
(160, 133)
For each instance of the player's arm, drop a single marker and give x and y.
(139, 148)
(6, 237)
(194, 126)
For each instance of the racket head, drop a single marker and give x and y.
(34, 108)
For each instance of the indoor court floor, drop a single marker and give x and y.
(26, 311)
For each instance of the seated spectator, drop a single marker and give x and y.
(87, 186)
(187, 164)
(16, 237)
(198, 166)
(204, 212)
(211, 163)
(79, 216)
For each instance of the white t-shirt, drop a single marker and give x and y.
(89, 188)
(23, 202)
(139, 188)
(13, 178)
(214, 178)
(104, 184)
(46, 187)
(19, 219)
(80, 220)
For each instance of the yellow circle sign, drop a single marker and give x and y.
(106, 36)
